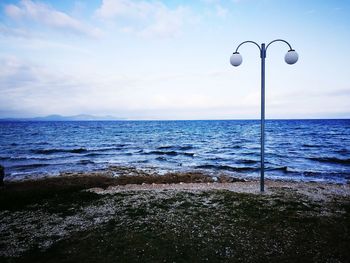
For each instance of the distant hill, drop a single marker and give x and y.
(56, 117)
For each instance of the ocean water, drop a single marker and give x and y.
(311, 150)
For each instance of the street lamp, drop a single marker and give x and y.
(236, 59)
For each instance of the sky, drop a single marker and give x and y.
(154, 59)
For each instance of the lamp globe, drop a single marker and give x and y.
(236, 59)
(291, 57)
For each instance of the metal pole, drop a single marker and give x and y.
(262, 141)
(263, 49)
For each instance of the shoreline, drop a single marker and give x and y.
(116, 171)
(132, 179)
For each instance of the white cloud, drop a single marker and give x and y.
(221, 11)
(32, 89)
(14, 32)
(28, 88)
(13, 11)
(216, 8)
(19, 76)
(146, 18)
(50, 17)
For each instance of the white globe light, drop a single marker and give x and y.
(236, 59)
(291, 57)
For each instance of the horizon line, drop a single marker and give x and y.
(125, 119)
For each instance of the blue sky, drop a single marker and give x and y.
(170, 59)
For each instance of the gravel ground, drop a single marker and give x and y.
(312, 190)
(53, 220)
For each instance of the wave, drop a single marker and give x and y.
(180, 148)
(235, 147)
(307, 172)
(225, 167)
(330, 160)
(115, 147)
(51, 151)
(143, 161)
(342, 151)
(241, 169)
(281, 168)
(248, 161)
(86, 162)
(311, 146)
(322, 174)
(93, 154)
(120, 145)
(106, 149)
(217, 159)
(30, 166)
(170, 153)
(26, 158)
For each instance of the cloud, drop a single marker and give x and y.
(146, 18)
(14, 72)
(30, 88)
(14, 32)
(221, 11)
(46, 15)
(18, 74)
(339, 92)
(216, 8)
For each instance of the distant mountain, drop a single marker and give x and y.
(56, 117)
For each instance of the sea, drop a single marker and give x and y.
(302, 150)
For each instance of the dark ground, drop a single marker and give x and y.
(54, 220)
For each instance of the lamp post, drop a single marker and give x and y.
(236, 59)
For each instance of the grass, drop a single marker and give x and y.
(57, 191)
(174, 226)
(27, 192)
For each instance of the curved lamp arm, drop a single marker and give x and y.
(248, 42)
(236, 58)
(291, 57)
(280, 40)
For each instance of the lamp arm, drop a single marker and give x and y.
(279, 40)
(247, 42)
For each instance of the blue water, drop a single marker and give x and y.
(295, 149)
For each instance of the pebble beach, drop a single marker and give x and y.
(133, 216)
